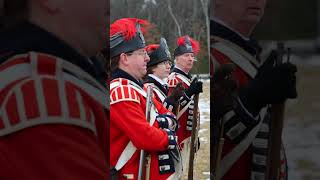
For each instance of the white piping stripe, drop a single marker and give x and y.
(129, 92)
(38, 87)
(111, 99)
(247, 112)
(81, 106)
(20, 71)
(18, 85)
(81, 73)
(5, 118)
(92, 122)
(159, 93)
(20, 103)
(233, 156)
(236, 58)
(62, 91)
(126, 155)
(130, 149)
(86, 82)
(120, 100)
(114, 84)
(259, 159)
(260, 143)
(116, 94)
(48, 120)
(228, 116)
(236, 130)
(245, 54)
(122, 93)
(184, 79)
(23, 70)
(264, 128)
(97, 95)
(136, 96)
(131, 85)
(183, 110)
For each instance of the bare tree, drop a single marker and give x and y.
(173, 17)
(205, 10)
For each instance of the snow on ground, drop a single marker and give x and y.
(204, 102)
(301, 133)
(302, 145)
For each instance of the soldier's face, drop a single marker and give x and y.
(185, 61)
(162, 70)
(91, 17)
(243, 11)
(136, 63)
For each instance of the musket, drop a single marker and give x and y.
(223, 73)
(277, 119)
(218, 150)
(177, 109)
(142, 160)
(194, 133)
(193, 137)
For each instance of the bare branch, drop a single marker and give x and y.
(174, 18)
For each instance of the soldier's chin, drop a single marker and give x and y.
(253, 18)
(145, 72)
(166, 74)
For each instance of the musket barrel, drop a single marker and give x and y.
(142, 152)
(277, 117)
(193, 137)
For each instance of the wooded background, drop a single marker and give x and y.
(171, 19)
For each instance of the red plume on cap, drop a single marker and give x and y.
(151, 48)
(195, 44)
(127, 27)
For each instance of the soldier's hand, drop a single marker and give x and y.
(272, 85)
(167, 121)
(224, 89)
(224, 72)
(177, 92)
(172, 101)
(194, 88)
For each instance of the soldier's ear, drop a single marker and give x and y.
(177, 60)
(124, 59)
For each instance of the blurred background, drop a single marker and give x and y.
(297, 24)
(172, 19)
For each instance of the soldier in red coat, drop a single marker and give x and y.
(184, 59)
(53, 105)
(129, 130)
(246, 116)
(158, 70)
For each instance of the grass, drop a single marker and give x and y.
(202, 158)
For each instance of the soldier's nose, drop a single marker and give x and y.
(147, 58)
